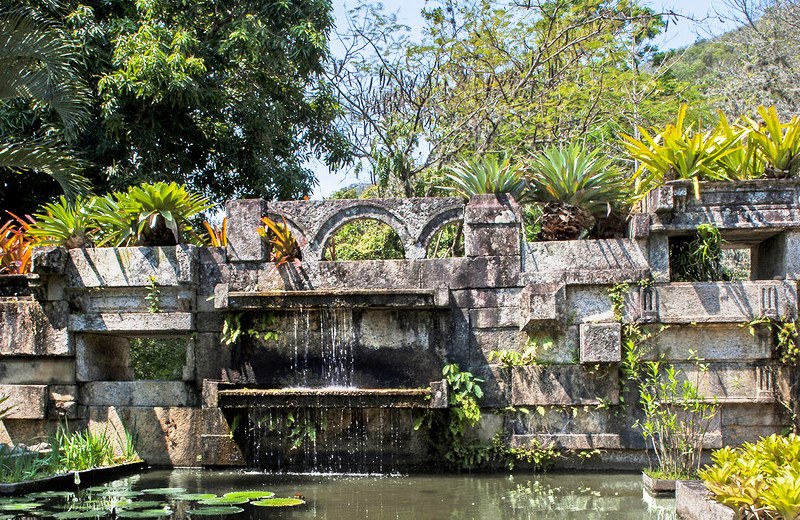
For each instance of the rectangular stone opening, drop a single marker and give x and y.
(105, 357)
(736, 261)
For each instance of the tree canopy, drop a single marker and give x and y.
(224, 96)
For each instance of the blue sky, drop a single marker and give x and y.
(679, 34)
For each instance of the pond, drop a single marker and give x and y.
(493, 496)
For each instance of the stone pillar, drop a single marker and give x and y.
(244, 243)
(492, 226)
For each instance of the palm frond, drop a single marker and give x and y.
(37, 62)
(30, 156)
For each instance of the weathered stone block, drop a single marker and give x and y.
(601, 343)
(585, 262)
(50, 260)
(439, 395)
(570, 441)
(588, 304)
(661, 199)
(166, 436)
(210, 357)
(220, 450)
(132, 266)
(63, 402)
(563, 385)
(494, 240)
(28, 327)
(132, 323)
(486, 298)
(492, 209)
(26, 401)
(138, 393)
(639, 227)
(693, 502)
(483, 341)
(542, 305)
(725, 302)
(133, 300)
(27, 371)
(102, 358)
(736, 382)
(490, 318)
(712, 343)
(244, 218)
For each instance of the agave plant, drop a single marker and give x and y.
(574, 187)
(65, 223)
(283, 245)
(778, 142)
(678, 152)
(745, 160)
(16, 246)
(489, 174)
(149, 214)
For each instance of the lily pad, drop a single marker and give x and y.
(215, 511)
(248, 495)
(119, 493)
(19, 506)
(279, 502)
(191, 497)
(147, 513)
(223, 501)
(90, 513)
(142, 504)
(43, 495)
(164, 491)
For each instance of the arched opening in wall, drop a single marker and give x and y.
(447, 242)
(364, 239)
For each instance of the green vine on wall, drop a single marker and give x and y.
(153, 296)
(262, 328)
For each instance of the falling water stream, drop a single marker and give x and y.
(324, 438)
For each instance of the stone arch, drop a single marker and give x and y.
(436, 223)
(359, 212)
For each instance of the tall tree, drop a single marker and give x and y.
(37, 67)
(223, 95)
(495, 78)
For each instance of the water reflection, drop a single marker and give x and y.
(583, 496)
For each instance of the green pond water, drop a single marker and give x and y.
(168, 495)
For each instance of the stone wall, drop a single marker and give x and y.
(65, 331)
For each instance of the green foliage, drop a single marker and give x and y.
(618, 294)
(448, 242)
(678, 151)
(578, 177)
(84, 449)
(303, 428)
(228, 98)
(38, 67)
(760, 480)
(158, 358)
(514, 358)
(70, 451)
(283, 246)
(70, 224)
(262, 328)
(153, 297)
(698, 259)
(155, 214)
(486, 175)
(779, 143)
(676, 419)
(365, 239)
